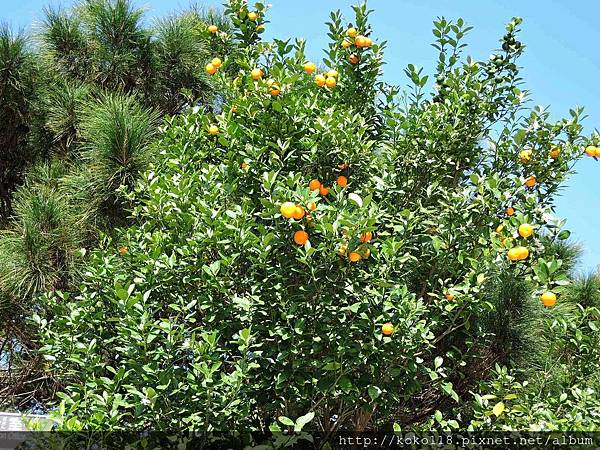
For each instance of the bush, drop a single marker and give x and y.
(216, 298)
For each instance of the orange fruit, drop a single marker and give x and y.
(361, 41)
(234, 109)
(256, 74)
(343, 166)
(298, 212)
(332, 73)
(123, 250)
(330, 82)
(309, 67)
(342, 181)
(548, 299)
(365, 252)
(275, 91)
(353, 59)
(346, 43)
(320, 80)
(500, 228)
(260, 28)
(314, 185)
(354, 257)
(210, 68)
(387, 329)
(518, 253)
(324, 191)
(597, 152)
(213, 130)
(590, 150)
(530, 182)
(244, 166)
(366, 237)
(449, 296)
(252, 16)
(351, 32)
(287, 210)
(525, 156)
(510, 211)
(554, 152)
(506, 241)
(213, 28)
(368, 42)
(312, 206)
(300, 237)
(216, 62)
(525, 230)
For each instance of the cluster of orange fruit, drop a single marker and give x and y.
(212, 67)
(361, 252)
(290, 210)
(360, 41)
(520, 253)
(593, 151)
(328, 79)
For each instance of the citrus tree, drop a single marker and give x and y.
(320, 247)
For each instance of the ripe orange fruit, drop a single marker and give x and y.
(324, 191)
(330, 82)
(210, 68)
(320, 80)
(260, 28)
(342, 181)
(256, 74)
(314, 185)
(332, 73)
(366, 237)
(354, 257)
(387, 329)
(368, 42)
(353, 59)
(312, 206)
(554, 152)
(548, 299)
(275, 91)
(525, 230)
(346, 43)
(309, 67)
(590, 150)
(123, 250)
(351, 32)
(361, 41)
(252, 16)
(287, 210)
(510, 211)
(216, 62)
(530, 182)
(213, 28)
(518, 253)
(300, 237)
(298, 212)
(213, 130)
(449, 296)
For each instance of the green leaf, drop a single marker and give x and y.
(303, 420)
(374, 392)
(498, 409)
(286, 421)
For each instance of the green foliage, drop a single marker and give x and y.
(18, 77)
(115, 133)
(207, 299)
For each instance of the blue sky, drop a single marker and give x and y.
(561, 65)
